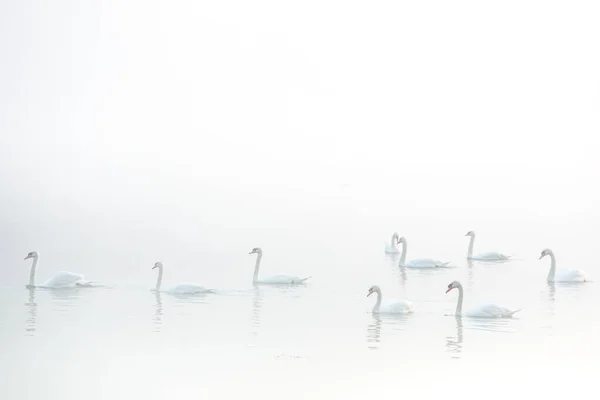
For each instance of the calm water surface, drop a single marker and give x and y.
(124, 341)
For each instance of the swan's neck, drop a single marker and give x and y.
(403, 255)
(378, 303)
(471, 243)
(159, 279)
(552, 268)
(256, 267)
(32, 272)
(458, 312)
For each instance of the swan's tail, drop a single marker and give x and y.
(508, 315)
(304, 279)
(442, 265)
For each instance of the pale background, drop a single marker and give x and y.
(191, 132)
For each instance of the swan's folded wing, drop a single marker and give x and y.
(282, 279)
(423, 263)
(491, 256)
(495, 311)
(63, 279)
(188, 288)
(570, 275)
(396, 307)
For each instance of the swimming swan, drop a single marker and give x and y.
(61, 280)
(488, 256)
(273, 280)
(564, 275)
(392, 246)
(419, 262)
(391, 306)
(181, 288)
(483, 311)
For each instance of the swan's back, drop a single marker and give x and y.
(188, 288)
(570, 275)
(425, 263)
(490, 311)
(490, 256)
(63, 279)
(281, 280)
(396, 307)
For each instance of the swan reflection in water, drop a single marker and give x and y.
(403, 278)
(504, 325)
(31, 306)
(374, 332)
(454, 343)
(257, 302)
(470, 275)
(158, 312)
(394, 323)
(63, 300)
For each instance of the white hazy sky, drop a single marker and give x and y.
(151, 113)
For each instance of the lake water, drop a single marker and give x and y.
(316, 341)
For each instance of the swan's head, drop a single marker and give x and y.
(395, 236)
(157, 264)
(453, 285)
(402, 240)
(545, 252)
(470, 233)
(31, 254)
(373, 289)
(256, 250)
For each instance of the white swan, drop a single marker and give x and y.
(483, 311)
(389, 307)
(392, 246)
(273, 280)
(61, 280)
(181, 288)
(419, 262)
(488, 256)
(565, 275)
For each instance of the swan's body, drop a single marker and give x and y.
(418, 262)
(391, 306)
(276, 279)
(392, 247)
(564, 275)
(61, 280)
(181, 288)
(482, 311)
(487, 256)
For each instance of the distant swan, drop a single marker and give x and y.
(61, 280)
(488, 256)
(392, 246)
(273, 280)
(182, 288)
(419, 262)
(565, 275)
(391, 306)
(483, 311)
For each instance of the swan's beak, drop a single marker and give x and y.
(449, 289)
(252, 252)
(27, 257)
(370, 293)
(156, 266)
(542, 256)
